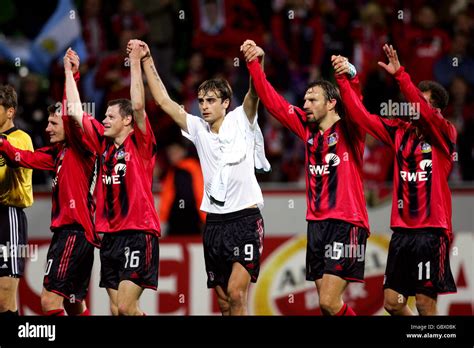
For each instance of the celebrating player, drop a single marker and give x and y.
(16, 193)
(418, 256)
(227, 144)
(71, 253)
(125, 209)
(337, 216)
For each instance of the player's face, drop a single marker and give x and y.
(427, 95)
(211, 106)
(113, 122)
(5, 115)
(315, 104)
(55, 128)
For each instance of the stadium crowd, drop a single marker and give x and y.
(195, 40)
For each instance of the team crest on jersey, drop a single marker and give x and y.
(332, 139)
(425, 147)
(120, 155)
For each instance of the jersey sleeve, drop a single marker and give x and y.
(354, 128)
(442, 132)
(289, 115)
(93, 132)
(74, 134)
(356, 113)
(146, 142)
(194, 124)
(42, 158)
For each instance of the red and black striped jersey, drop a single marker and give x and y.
(333, 159)
(424, 147)
(73, 186)
(124, 189)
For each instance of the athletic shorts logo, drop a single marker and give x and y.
(211, 276)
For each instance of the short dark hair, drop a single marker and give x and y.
(439, 95)
(52, 108)
(8, 97)
(222, 87)
(125, 106)
(330, 92)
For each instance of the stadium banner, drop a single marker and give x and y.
(281, 288)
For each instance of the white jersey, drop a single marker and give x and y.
(242, 189)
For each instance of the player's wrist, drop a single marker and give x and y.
(352, 70)
(146, 57)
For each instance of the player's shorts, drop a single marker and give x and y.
(69, 263)
(418, 263)
(129, 255)
(229, 238)
(335, 247)
(14, 246)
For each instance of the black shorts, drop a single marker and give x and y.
(69, 264)
(335, 247)
(129, 255)
(229, 238)
(418, 263)
(14, 246)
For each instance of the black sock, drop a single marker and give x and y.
(9, 314)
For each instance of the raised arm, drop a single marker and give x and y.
(443, 133)
(91, 129)
(158, 89)
(289, 115)
(137, 91)
(356, 113)
(74, 106)
(251, 51)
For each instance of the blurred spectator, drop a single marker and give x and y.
(423, 45)
(460, 113)
(113, 74)
(336, 39)
(32, 116)
(369, 38)
(95, 38)
(455, 63)
(274, 134)
(377, 171)
(129, 19)
(298, 32)
(221, 26)
(194, 77)
(181, 194)
(161, 16)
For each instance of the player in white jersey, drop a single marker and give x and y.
(230, 147)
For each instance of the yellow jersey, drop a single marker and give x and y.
(16, 188)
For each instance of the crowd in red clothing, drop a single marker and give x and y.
(194, 40)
